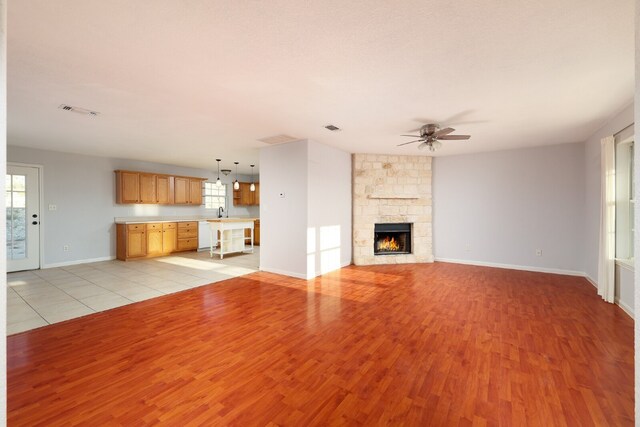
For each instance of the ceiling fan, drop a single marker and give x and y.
(431, 135)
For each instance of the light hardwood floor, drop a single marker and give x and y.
(432, 344)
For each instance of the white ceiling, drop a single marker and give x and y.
(184, 82)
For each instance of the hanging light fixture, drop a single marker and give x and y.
(252, 187)
(218, 182)
(236, 184)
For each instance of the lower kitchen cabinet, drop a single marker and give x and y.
(256, 233)
(187, 236)
(155, 239)
(169, 237)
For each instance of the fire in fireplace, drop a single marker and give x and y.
(392, 239)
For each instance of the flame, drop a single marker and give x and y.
(388, 244)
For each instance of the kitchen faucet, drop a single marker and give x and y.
(220, 210)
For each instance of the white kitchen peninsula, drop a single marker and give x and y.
(232, 238)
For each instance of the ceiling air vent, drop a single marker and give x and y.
(78, 110)
(332, 128)
(278, 139)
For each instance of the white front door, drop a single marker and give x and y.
(22, 195)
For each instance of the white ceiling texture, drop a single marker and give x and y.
(184, 82)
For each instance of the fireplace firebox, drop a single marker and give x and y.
(392, 239)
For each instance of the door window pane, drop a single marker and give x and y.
(16, 216)
(19, 199)
(19, 182)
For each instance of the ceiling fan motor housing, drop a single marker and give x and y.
(429, 129)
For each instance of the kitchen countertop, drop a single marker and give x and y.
(232, 219)
(181, 218)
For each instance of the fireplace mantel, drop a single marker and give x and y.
(394, 196)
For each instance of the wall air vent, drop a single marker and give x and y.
(278, 139)
(78, 110)
(332, 128)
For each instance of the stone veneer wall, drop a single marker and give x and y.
(389, 189)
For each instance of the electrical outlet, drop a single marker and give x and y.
(65, 248)
(538, 252)
(467, 247)
(53, 207)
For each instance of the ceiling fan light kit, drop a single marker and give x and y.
(431, 135)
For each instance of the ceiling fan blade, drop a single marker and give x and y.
(413, 136)
(454, 137)
(444, 131)
(410, 142)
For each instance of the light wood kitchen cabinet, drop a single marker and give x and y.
(245, 197)
(187, 236)
(155, 239)
(195, 191)
(256, 233)
(131, 241)
(165, 189)
(182, 190)
(128, 187)
(150, 188)
(188, 191)
(169, 237)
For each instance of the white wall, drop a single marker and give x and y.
(592, 188)
(329, 209)
(636, 244)
(3, 255)
(308, 231)
(83, 189)
(499, 207)
(283, 220)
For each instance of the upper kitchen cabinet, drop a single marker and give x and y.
(165, 190)
(150, 188)
(181, 190)
(188, 191)
(245, 197)
(127, 187)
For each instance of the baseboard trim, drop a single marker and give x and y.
(625, 308)
(77, 262)
(319, 273)
(284, 273)
(513, 267)
(590, 280)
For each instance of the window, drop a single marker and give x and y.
(214, 196)
(624, 198)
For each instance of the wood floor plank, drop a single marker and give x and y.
(422, 344)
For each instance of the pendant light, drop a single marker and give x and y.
(236, 184)
(218, 182)
(252, 187)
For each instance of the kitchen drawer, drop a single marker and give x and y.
(184, 233)
(169, 226)
(190, 224)
(136, 227)
(187, 244)
(155, 226)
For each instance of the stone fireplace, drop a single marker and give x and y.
(391, 209)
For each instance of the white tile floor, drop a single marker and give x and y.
(42, 297)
